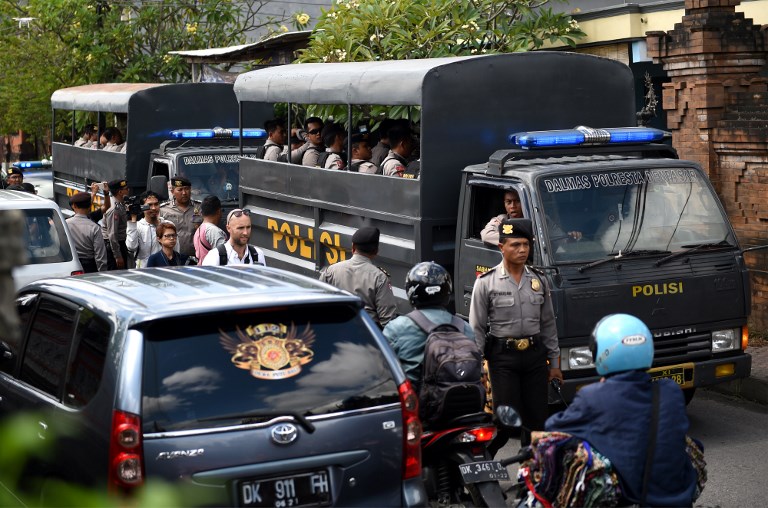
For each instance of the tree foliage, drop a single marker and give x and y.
(58, 43)
(365, 30)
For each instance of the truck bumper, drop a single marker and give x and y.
(687, 375)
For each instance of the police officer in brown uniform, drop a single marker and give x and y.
(183, 211)
(514, 323)
(361, 277)
(115, 226)
(86, 234)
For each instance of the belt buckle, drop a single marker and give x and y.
(519, 344)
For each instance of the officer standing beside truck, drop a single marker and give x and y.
(115, 226)
(86, 234)
(514, 323)
(182, 210)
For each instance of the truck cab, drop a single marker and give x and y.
(619, 227)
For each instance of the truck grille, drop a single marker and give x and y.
(681, 348)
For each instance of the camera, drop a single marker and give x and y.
(134, 207)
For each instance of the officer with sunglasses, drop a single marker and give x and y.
(311, 150)
(237, 250)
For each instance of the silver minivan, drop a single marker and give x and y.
(50, 249)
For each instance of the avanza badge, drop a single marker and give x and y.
(270, 351)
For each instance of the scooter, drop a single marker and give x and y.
(456, 466)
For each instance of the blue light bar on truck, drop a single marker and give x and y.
(586, 136)
(32, 164)
(218, 133)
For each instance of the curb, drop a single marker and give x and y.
(753, 389)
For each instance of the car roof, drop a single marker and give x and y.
(152, 293)
(11, 199)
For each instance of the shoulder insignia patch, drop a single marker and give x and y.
(486, 274)
(385, 272)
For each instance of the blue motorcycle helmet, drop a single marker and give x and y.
(619, 343)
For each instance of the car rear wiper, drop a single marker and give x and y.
(692, 248)
(257, 416)
(622, 254)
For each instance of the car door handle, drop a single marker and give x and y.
(43, 428)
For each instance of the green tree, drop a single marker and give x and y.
(361, 30)
(57, 43)
(365, 30)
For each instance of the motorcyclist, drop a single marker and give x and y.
(615, 416)
(428, 287)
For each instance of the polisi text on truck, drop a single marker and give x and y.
(300, 240)
(666, 288)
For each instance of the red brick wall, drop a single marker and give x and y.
(717, 111)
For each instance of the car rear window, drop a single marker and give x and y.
(46, 239)
(242, 367)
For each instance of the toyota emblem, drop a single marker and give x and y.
(284, 433)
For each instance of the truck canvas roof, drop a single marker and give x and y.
(112, 97)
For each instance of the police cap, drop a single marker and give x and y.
(356, 138)
(116, 185)
(180, 181)
(516, 228)
(14, 171)
(81, 199)
(366, 236)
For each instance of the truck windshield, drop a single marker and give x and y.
(592, 215)
(212, 173)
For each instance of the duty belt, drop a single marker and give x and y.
(517, 344)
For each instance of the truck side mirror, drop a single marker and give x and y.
(159, 185)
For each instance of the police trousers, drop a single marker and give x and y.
(519, 379)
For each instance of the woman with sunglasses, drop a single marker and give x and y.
(166, 235)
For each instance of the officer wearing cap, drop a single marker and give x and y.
(14, 177)
(182, 211)
(514, 323)
(361, 277)
(361, 155)
(86, 234)
(115, 227)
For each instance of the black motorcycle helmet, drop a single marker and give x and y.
(428, 285)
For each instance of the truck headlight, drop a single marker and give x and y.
(726, 340)
(579, 358)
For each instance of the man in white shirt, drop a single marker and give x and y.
(236, 251)
(141, 236)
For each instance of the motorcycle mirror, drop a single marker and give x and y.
(508, 417)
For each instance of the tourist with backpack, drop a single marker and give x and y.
(209, 235)
(437, 349)
(236, 251)
(514, 323)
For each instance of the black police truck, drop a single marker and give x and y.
(621, 224)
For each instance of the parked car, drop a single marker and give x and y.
(245, 386)
(50, 249)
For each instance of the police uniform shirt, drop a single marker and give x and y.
(81, 142)
(361, 277)
(115, 227)
(393, 165)
(311, 155)
(89, 241)
(512, 309)
(365, 166)
(490, 233)
(334, 161)
(182, 219)
(272, 150)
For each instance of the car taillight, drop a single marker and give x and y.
(409, 403)
(77, 272)
(125, 453)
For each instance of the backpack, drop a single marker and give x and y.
(223, 261)
(261, 151)
(451, 383)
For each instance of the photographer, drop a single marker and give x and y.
(115, 226)
(141, 235)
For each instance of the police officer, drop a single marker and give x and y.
(361, 277)
(514, 323)
(183, 211)
(116, 226)
(14, 176)
(86, 234)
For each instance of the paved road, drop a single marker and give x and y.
(735, 436)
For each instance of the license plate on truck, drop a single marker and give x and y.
(308, 489)
(681, 374)
(486, 471)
